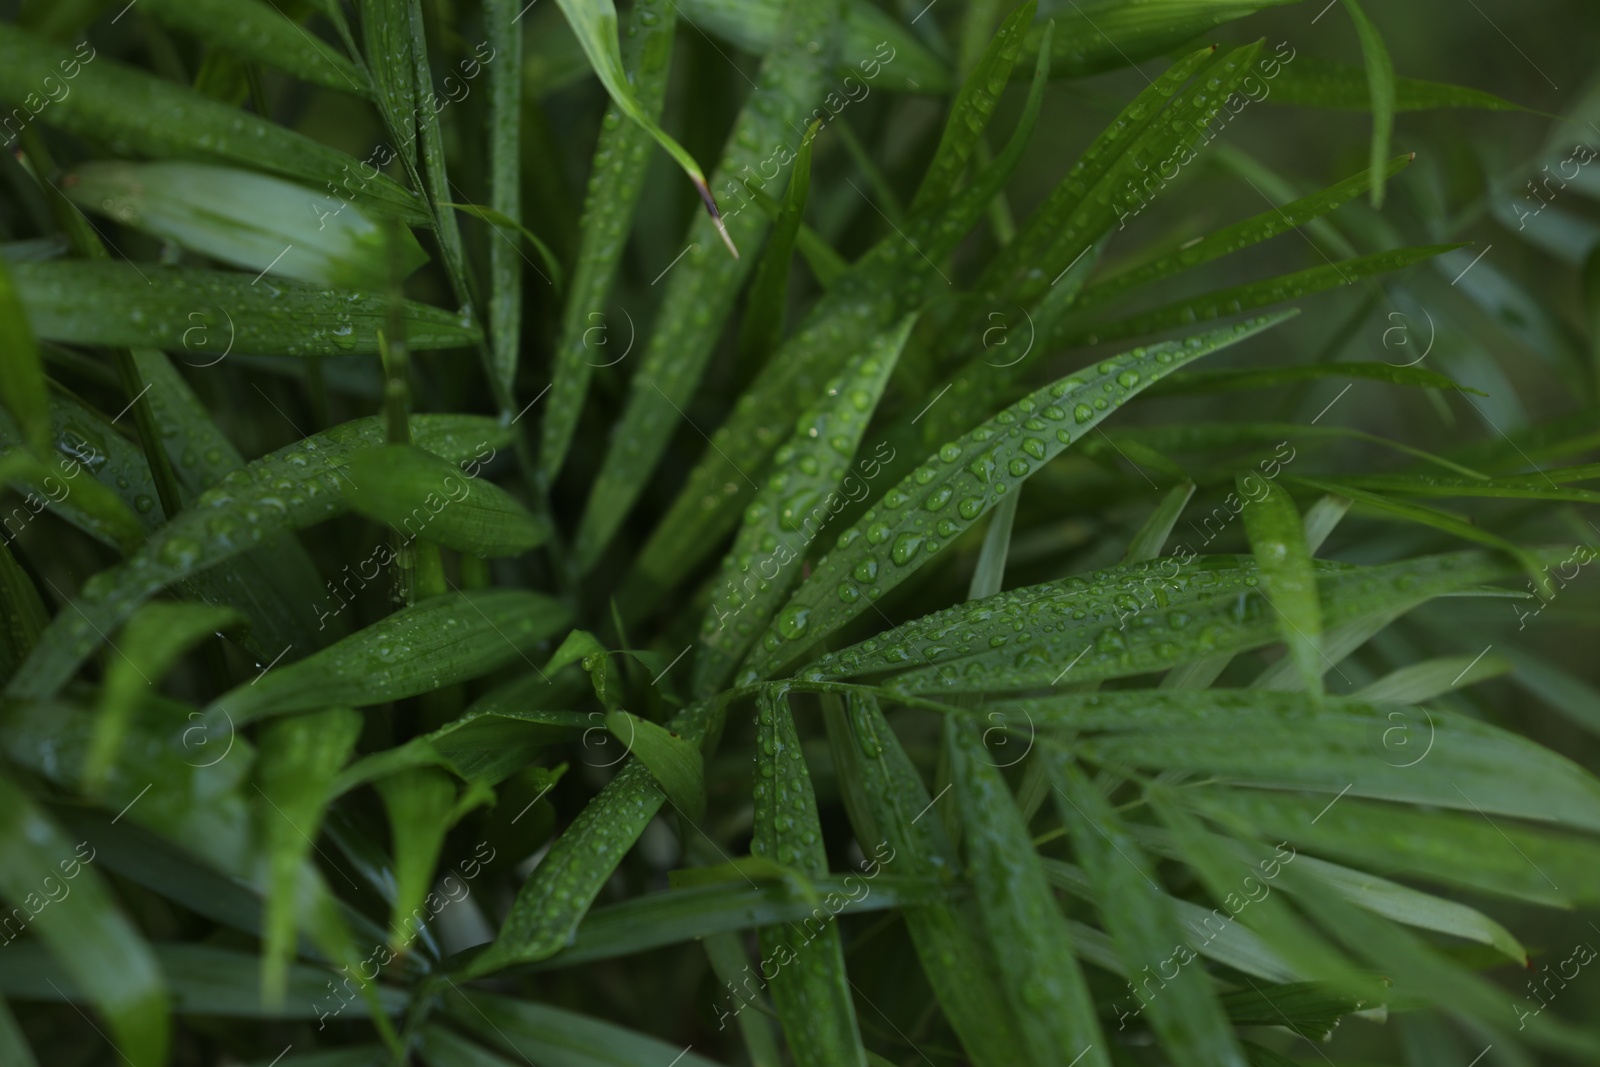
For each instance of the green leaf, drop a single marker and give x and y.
(136, 114)
(878, 48)
(1234, 238)
(22, 384)
(554, 899)
(1101, 35)
(1196, 606)
(1381, 89)
(674, 761)
(299, 757)
(386, 41)
(505, 190)
(890, 281)
(972, 108)
(1288, 580)
(594, 22)
(22, 614)
(1344, 745)
(958, 484)
(214, 313)
(958, 963)
(13, 1046)
(433, 643)
(1141, 921)
(150, 644)
(1152, 536)
(703, 283)
(1314, 82)
(1240, 378)
(811, 481)
(540, 1033)
(295, 487)
(616, 179)
(810, 990)
(417, 493)
(254, 221)
(102, 951)
(1018, 912)
(1459, 849)
(263, 33)
(762, 328)
(1248, 297)
(421, 805)
(1433, 678)
(684, 913)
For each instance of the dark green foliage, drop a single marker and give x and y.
(477, 591)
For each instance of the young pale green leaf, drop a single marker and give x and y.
(811, 990)
(961, 482)
(1141, 920)
(988, 574)
(1314, 82)
(150, 644)
(594, 22)
(726, 954)
(264, 224)
(1380, 90)
(421, 805)
(263, 33)
(1248, 297)
(554, 899)
(972, 108)
(674, 761)
(540, 1033)
(295, 487)
(1019, 914)
(958, 964)
(299, 757)
(811, 481)
(1433, 678)
(703, 286)
(1422, 910)
(431, 644)
(762, 329)
(1178, 612)
(616, 178)
(420, 494)
(1239, 236)
(1288, 580)
(22, 386)
(90, 939)
(137, 114)
(215, 313)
